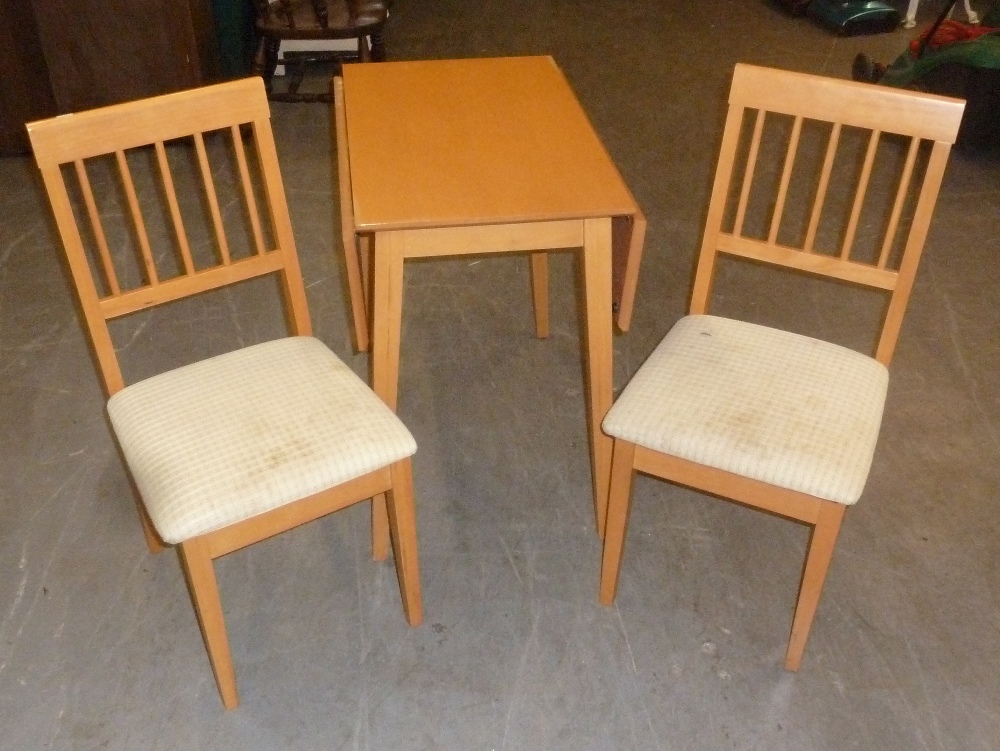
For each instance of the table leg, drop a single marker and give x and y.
(540, 292)
(598, 354)
(365, 244)
(387, 307)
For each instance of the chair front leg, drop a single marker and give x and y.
(821, 545)
(403, 525)
(200, 575)
(619, 503)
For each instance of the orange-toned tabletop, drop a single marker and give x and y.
(451, 157)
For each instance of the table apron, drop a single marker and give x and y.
(487, 238)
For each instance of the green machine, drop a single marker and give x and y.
(851, 17)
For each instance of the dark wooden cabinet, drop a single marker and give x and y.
(25, 93)
(68, 55)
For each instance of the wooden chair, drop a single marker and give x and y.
(239, 447)
(278, 20)
(358, 246)
(761, 416)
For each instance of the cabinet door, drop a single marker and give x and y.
(24, 83)
(102, 52)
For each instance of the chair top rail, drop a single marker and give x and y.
(132, 124)
(857, 104)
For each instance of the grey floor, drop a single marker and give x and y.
(99, 647)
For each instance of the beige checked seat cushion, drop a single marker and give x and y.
(792, 411)
(234, 436)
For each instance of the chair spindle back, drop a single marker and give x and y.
(762, 99)
(101, 277)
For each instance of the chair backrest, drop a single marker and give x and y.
(121, 270)
(305, 15)
(838, 185)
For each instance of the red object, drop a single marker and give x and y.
(950, 32)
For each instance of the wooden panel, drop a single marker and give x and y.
(189, 284)
(24, 83)
(102, 52)
(732, 487)
(817, 263)
(500, 238)
(857, 104)
(217, 107)
(484, 141)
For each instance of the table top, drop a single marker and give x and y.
(444, 143)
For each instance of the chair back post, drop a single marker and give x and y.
(73, 139)
(840, 103)
(900, 296)
(701, 290)
(294, 291)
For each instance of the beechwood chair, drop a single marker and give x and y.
(234, 449)
(764, 417)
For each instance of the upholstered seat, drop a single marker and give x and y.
(763, 403)
(208, 444)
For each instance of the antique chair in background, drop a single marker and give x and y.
(764, 417)
(242, 446)
(278, 20)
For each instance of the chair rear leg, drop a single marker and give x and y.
(380, 528)
(356, 289)
(265, 61)
(200, 574)
(403, 524)
(378, 46)
(619, 503)
(153, 541)
(821, 545)
(540, 292)
(360, 289)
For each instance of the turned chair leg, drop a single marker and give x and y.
(378, 46)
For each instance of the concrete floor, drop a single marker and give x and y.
(99, 647)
